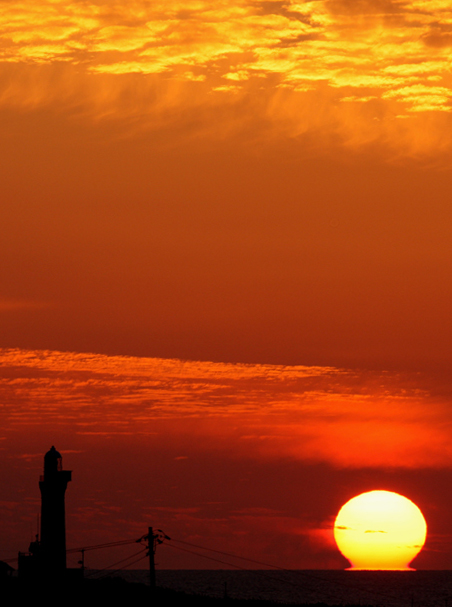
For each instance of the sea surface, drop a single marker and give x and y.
(394, 588)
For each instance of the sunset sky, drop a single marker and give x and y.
(259, 186)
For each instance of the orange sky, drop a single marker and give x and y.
(256, 182)
(254, 460)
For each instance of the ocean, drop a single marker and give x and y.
(379, 588)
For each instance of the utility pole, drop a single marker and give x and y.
(82, 562)
(151, 552)
(154, 538)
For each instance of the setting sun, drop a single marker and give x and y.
(380, 530)
(225, 289)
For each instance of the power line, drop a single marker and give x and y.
(99, 546)
(259, 572)
(306, 575)
(118, 563)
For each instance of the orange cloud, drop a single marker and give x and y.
(7, 305)
(311, 414)
(386, 60)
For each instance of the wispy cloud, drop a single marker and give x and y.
(7, 305)
(315, 414)
(362, 66)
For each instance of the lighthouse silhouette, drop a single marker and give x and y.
(53, 484)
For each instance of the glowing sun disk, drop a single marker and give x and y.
(380, 530)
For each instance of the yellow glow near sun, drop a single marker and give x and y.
(380, 530)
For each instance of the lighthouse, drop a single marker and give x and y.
(53, 484)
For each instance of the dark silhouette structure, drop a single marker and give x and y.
(46, 557)
(53, 484)
(5, 571)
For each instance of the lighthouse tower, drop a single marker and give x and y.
(53, 485)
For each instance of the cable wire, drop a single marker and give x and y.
(121, 561)
(306, 575)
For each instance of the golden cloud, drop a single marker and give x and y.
(395, 52)
(312, 414)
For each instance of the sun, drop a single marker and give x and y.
(380, 530)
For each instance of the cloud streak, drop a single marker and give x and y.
(370, 69)
(312, 414)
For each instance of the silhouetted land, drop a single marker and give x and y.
(116, 592)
